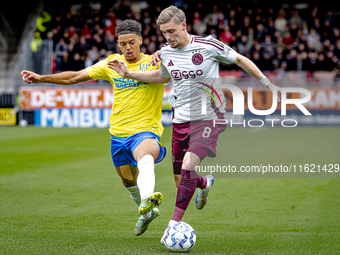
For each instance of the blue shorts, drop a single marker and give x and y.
(122, 148)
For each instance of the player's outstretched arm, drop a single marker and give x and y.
(150, 76)
(64, 78)
(248, 66)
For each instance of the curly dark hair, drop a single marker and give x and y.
(129, 27)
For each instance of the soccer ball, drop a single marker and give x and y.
(180, 237)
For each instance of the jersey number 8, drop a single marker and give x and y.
(206, 132)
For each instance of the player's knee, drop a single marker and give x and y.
(186, 164)
(190, 161)
(189, 165)
(147, 147)
(154, 154)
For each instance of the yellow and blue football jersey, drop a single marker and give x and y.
(137, 105)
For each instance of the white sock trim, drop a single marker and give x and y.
(146, 176)
(134, 193)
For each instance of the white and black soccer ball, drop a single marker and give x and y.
(180, 237)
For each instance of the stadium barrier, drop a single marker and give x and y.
(91, 107)
(76, 107)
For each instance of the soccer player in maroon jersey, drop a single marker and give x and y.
(193, 64)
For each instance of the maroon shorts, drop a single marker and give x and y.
(199, 137)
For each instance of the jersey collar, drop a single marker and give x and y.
(137, 63)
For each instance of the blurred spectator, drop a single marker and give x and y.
(329, 61)
(260, 34)
(86, 32)
(279, 55)
(76, 63)
(301, 63)
(146, 18)
(267, 41)
(257, 59)
(287, 39)
(327, 30)
(270, 50)
(312, 36)
(281, 73)
(152, 47)
(200, 27)
(246, 42)
(267, 63)
(321, 63)
(60, 48)
(295, 19)
(317, 45)
(88, 61)
(93, 53)
(312, 65)
(280, 43)
(226, 36)
(64, 64)
(110, 42)
(213, 33)
(110, 24)
(294, 29)
(335, 36)
(98, 42)
(291, 60)
(281, 22)
(232, 26)
(135, 7)
(271, 26)
(83, 46)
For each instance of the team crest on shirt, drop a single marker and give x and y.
(197, 59)
(143, 67)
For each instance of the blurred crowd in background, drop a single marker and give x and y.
(272, 35)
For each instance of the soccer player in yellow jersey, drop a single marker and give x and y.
(135, 123)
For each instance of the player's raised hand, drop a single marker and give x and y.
(271, 87)
(30, 77)
(119, 66)
(155, 58)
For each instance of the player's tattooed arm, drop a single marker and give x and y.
(150, 76)
(63, 78)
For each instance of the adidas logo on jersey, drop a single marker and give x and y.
(170, 63)
(204, 140)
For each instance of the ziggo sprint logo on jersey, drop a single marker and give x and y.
(238, 104)
(177, 75)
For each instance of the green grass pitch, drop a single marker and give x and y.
(60, 194)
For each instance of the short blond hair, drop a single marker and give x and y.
(171, 13)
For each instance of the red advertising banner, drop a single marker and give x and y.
(35, 98)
